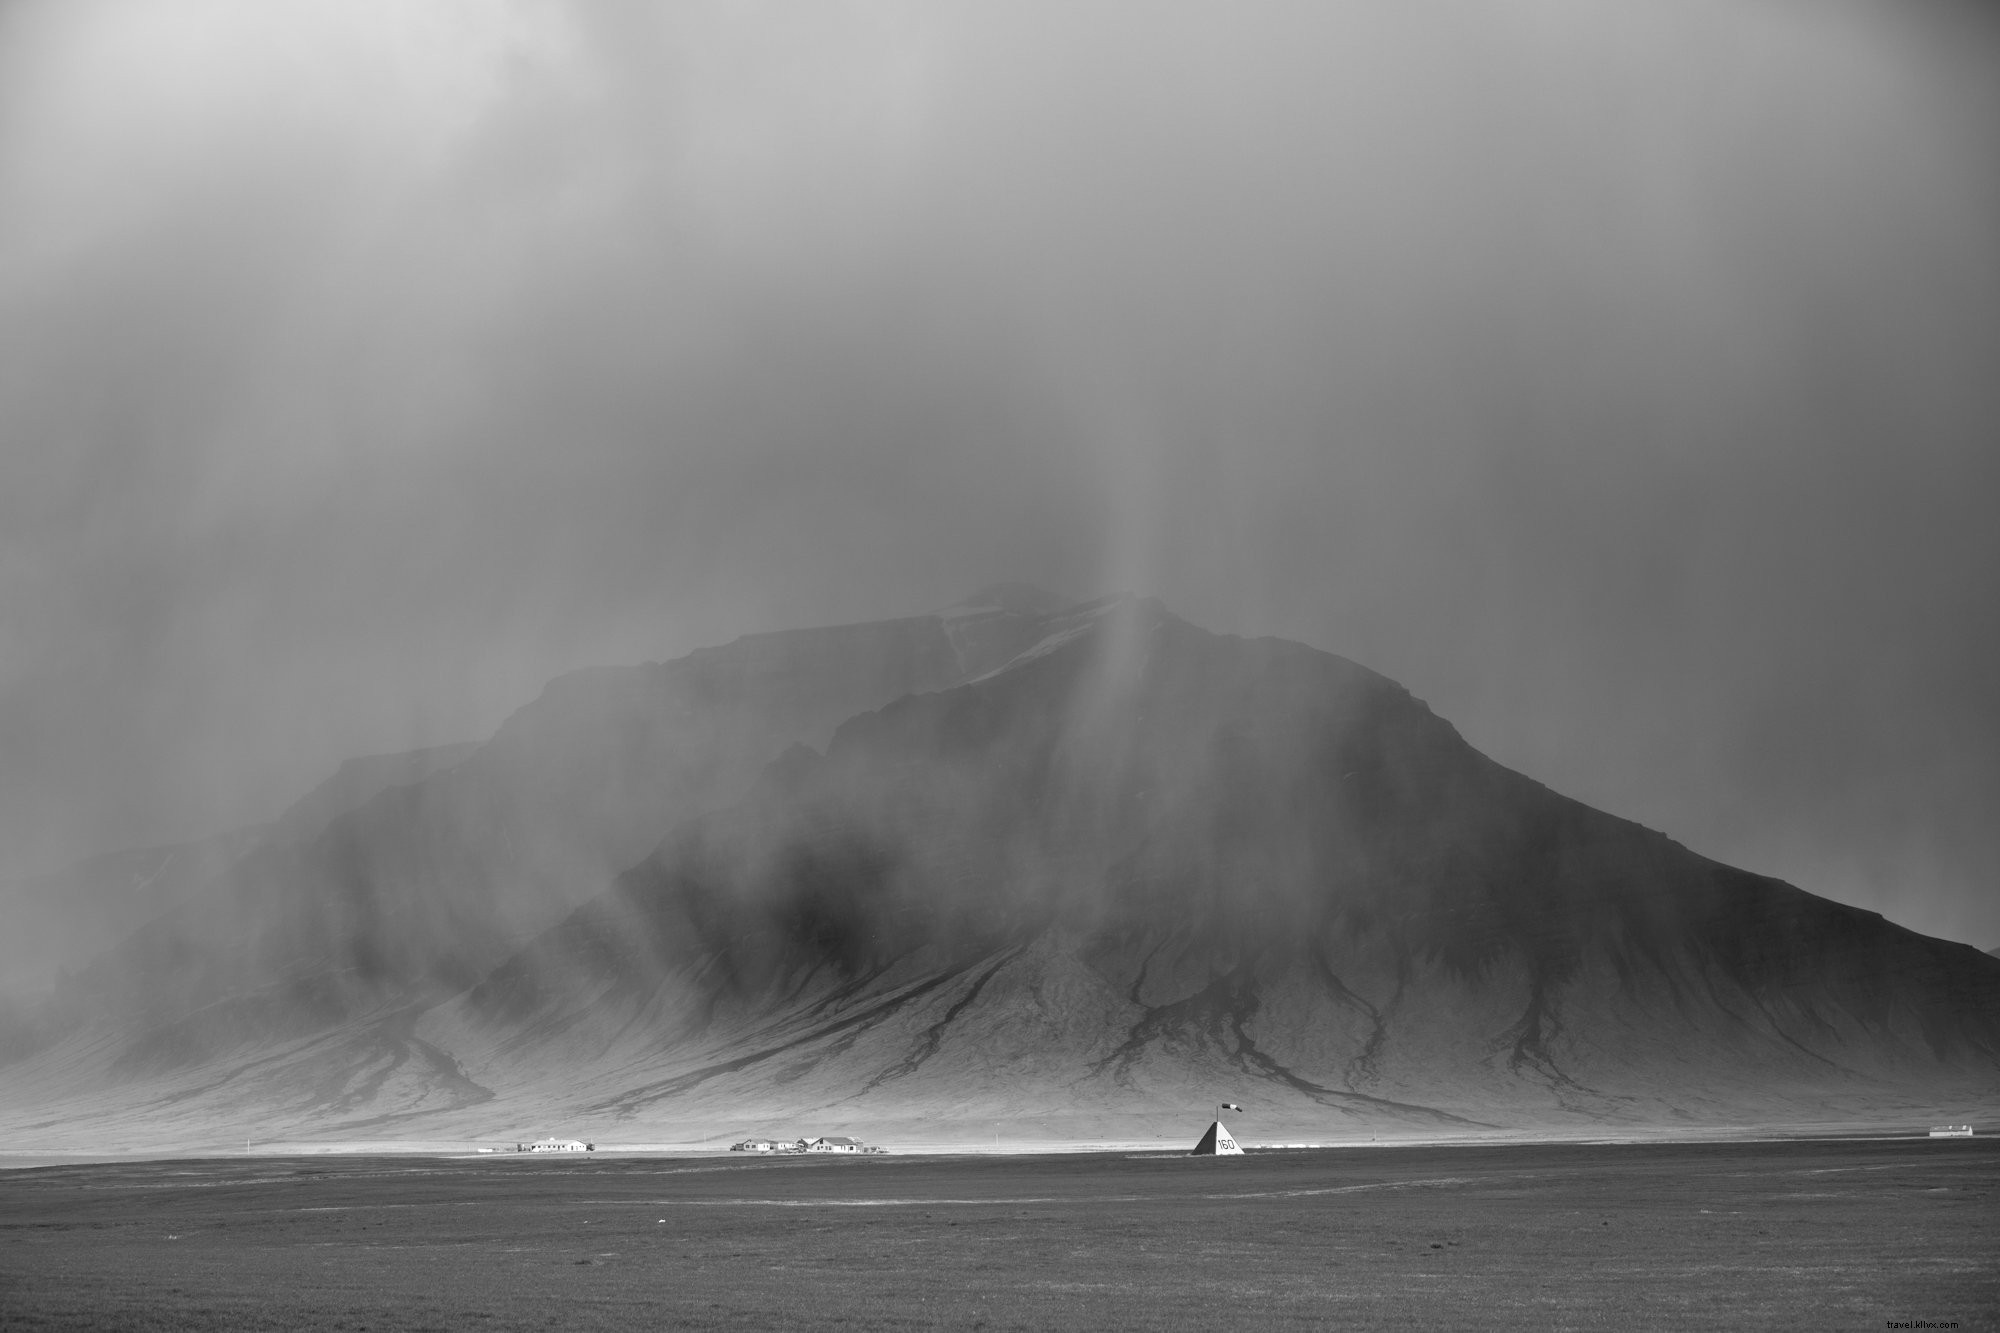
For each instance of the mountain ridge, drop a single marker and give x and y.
(1123, 863)
(1203, 1006)
(438, 878)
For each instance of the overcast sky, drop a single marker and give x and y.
(1622, 377)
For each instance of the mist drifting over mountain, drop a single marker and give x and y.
(1005, 863)
(388, 385)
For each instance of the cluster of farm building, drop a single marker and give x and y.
(830, 1143)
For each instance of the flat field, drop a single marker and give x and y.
(1818, 1235)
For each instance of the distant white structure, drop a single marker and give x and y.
(1216, 1143)
(556, 1145)
(834, 1143)
(829, 1143)
(1951, 1131)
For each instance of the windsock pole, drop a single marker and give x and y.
(1217, 1140)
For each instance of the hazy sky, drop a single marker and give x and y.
(1622, 377)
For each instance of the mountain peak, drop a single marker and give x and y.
(1021, 599)
(973, 865)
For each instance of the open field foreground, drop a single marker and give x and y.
(1801, 1234)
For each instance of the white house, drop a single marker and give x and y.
(834, 1143)
(556, 1145)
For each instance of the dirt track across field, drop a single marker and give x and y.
(1801, 1235)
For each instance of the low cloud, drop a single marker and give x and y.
(1618, 379)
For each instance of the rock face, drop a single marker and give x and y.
(1084, 869)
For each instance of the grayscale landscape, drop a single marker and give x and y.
(1527, 1237)
(1012, 871)
(998, 591)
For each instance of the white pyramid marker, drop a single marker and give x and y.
(1217, 1142)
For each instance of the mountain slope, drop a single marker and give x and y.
(59, 920)
(413, 892)
(1147, 863)
(1121, 867)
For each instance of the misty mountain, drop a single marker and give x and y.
(58, 920)
(1144, 861)
(1000, 863)
(359, 781)
(371, 890)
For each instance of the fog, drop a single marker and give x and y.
(1623, 379)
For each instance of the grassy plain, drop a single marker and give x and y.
(1817, 1235)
